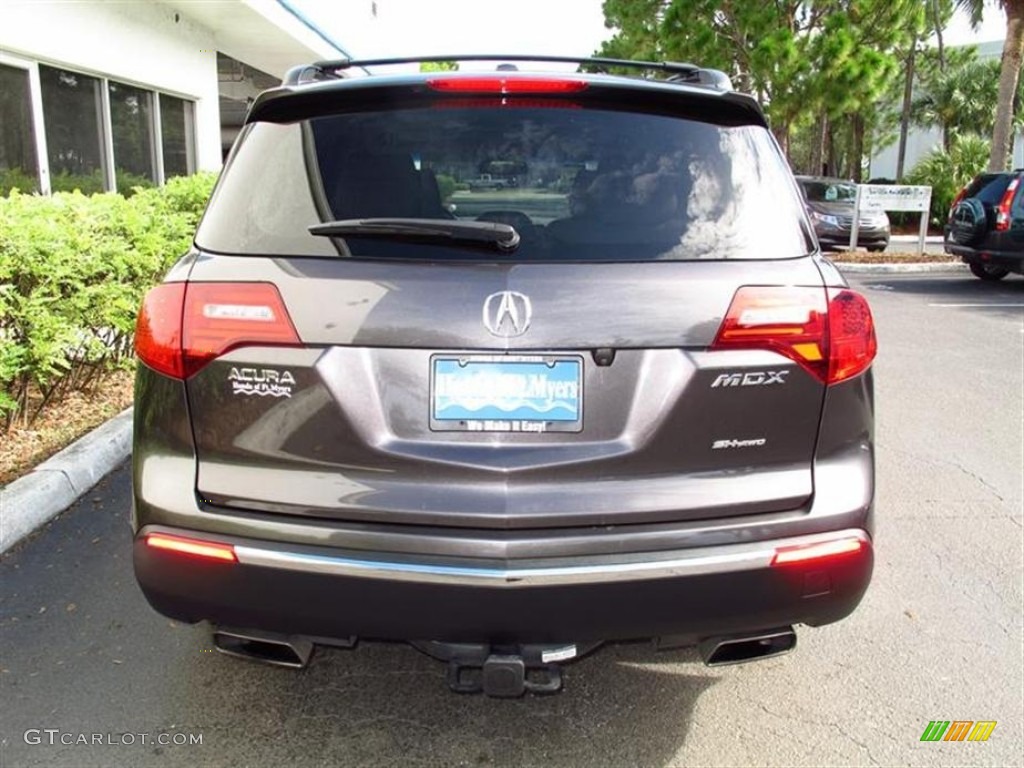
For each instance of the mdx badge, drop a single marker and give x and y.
(507, 313)
(750, 379)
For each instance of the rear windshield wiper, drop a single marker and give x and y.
(482, 234)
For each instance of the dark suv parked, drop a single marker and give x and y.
(624, 399)
(986, 225)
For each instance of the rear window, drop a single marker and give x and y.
(989, 188)
(577, 184)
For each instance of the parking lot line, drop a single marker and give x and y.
(977, 304)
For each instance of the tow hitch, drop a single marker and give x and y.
(503, 671)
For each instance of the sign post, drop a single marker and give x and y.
(892, 197)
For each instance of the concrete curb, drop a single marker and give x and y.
(909, 268)
(54, 485)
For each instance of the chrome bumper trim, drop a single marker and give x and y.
(681, 563)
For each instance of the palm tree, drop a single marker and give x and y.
(960, 99)
(1013, 57)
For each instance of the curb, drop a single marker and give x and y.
(54, 485)
(910, 268)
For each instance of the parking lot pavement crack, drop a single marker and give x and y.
(803, 717)
(858, 742)
(938, 462)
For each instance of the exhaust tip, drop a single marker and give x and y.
(278, 650)
(720, 651)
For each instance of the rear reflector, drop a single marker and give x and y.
(827, 331)
(183, 326)
(208, 550)
(510, 85)
(827, 550)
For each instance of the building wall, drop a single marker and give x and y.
(140, 43)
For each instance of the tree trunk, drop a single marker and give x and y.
(781, 133)
(857, 148)
(831, 162)
(937, 23)
(908, 95)
(818, 146)
(1013, 55)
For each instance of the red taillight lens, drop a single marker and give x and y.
(805, 554)
(852, 344)
(830, 333)
(158, 329)
(790, 321)
(208, 550)
(1003, 209)
(502, 84)
(182, 327)
(220, 317)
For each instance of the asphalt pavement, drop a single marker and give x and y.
(938, 636)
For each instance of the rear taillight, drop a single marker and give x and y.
(818, 553)
(207, 550)
(506, 85)
(158, 330)
(1003, 209)
(183, 326)
(851, 335)
(827, 331)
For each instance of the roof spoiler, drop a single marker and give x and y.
(676, 72)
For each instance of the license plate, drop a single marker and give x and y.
(501, 393)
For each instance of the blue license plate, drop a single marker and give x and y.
(503, 394)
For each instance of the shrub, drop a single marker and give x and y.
(73, 269)
(947, 172)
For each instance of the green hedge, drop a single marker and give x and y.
(73, 269)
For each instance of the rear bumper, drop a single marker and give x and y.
(323, 592)
(870, 237)
(1011, 260)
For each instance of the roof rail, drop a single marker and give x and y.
(677, 72)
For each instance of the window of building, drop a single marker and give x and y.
(98, 134)
(18, 165)
(178, 136)
(132, 129)
(73, 115)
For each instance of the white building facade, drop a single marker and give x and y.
(107, 95)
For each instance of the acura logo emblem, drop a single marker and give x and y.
(507, 313)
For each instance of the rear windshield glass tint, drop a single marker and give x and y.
(577, 184)
(989, 188)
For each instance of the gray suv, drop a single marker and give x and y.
(624, 399)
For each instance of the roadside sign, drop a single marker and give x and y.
(892, 197)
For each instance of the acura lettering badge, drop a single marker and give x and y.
(507, 313)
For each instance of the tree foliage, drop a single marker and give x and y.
(73, 269)
(946, 171)
(802, 59)
(1010, 76)
(959, 99)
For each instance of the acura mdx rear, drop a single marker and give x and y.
(618, 396)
